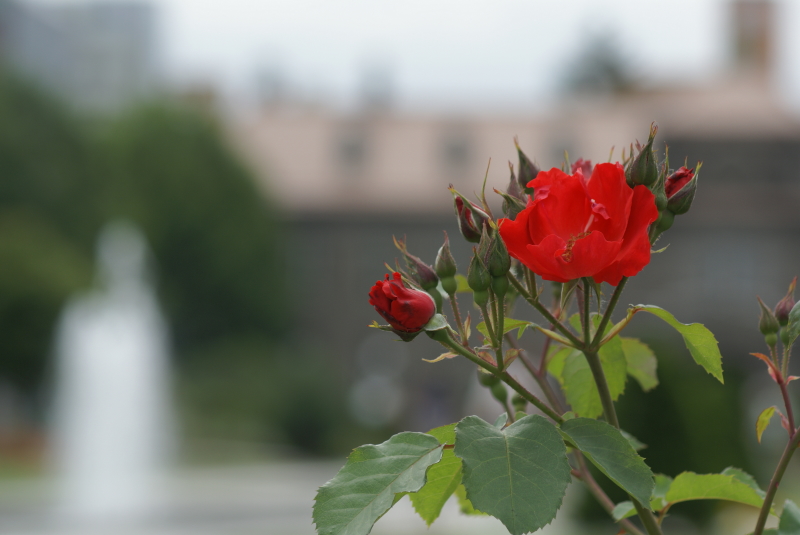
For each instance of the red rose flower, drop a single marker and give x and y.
(405, 309)
(677, 180)
(578, 227)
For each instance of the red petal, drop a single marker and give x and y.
(635, 251)
(608, 187)
(589, 254)
(565, 210)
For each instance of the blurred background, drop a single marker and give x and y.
(196, 196)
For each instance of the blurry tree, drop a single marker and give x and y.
(600, 67)
(215, 238)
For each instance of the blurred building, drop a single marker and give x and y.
(352, 180)
(97, 56)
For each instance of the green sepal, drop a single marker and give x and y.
(436, 323)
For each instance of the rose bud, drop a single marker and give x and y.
(478, 279)
(768, 324)
(513, 198)
(527, 170)
(644, 169)
(785, 305)
(471, 218)
(420, 272)
(680, 188)
(407, 310)
(445, 267)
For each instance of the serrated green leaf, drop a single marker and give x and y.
(700, 341)
(635, 443)
(509, 324)
(763, 421)
(745, 478)
(658, 501)
(464, 504)
(518, 475)
(365, 488)
(690, 486)
(555, 361)
(442, 478)
(641, 362)
(623, 510)
(790, 519)
(611, 452)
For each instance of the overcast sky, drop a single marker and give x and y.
(447, 52)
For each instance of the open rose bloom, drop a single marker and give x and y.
(583, 227)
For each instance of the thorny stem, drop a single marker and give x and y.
(609, 310)
(600, 495)
(587, 305)
(489, 327)
(543, 311)
(541, 378)
(786, 401)
(530, 279)
(454, 305)
(647, 517)
(500, 326)
(794, 441)
(444, 338)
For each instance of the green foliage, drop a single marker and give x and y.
(442, 479)
(699, 340)
(690, 486)
(572, 370)
(762, 422)
(518, 475)
(659, 499)
(611, 452)
(641, 361)
(214, 237)
(508, 326)
(365, 488)
(464, 504)
(790, 519)
(623, 510)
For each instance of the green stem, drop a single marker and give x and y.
(543, 311)
(596, 490)
(609, 310)
(457, 314)
(489, 327)
(540, 378)
(602, 387)
(587, 304)
(500, 327)
(775, 482)
(530, 279)
(444, 338)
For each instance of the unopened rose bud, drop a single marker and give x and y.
(487, 379)
(680, 188)
(479, 279)
(419, 271)
(500, 393)
(527, 170)
(471, 218)
(513, 198)
(493, 251)
(407, 310)
(644, 169)
(785, 305)
(767, 322)
(519, 403)
(445, 264)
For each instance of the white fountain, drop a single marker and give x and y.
(112, 417)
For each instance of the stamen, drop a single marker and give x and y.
(567, 254)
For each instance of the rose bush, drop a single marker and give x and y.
(577, 227)
(407, 310)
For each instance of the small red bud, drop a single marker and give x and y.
(785, 305)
